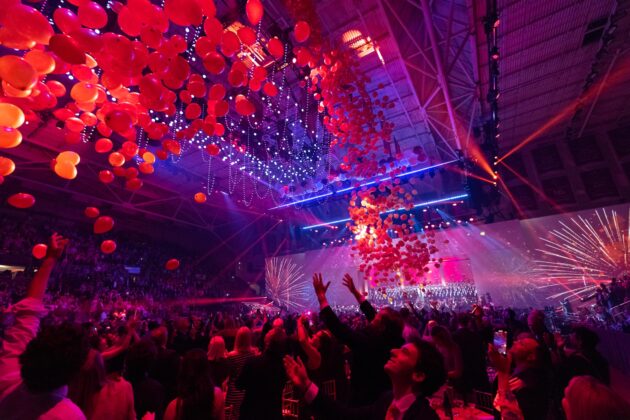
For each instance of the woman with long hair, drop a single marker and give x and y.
(243, 351)
(217, 357)
(586, 398)
(197, 397)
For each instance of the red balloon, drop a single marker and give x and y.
(66, 20)
(40, 250)
(108, 246)
(217, 92)
(67, 49)
(244, 106)
(183, 12)
(230, 43)
(247, 35)
(105, 176)
(103, 224)
(276, 48)
(103, 145)
(21, 200)
(119, 121)
(254, 10)
(28, 23)
(133, 184)
(92, 15)
(91, 212)
(212, 149)
(192, 111)
(172, 264)
(301, 31)
(270, 89)
(214, 62)
(200, 197)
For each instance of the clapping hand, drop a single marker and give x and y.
(296, 372)
(320, 288)
(56, 246)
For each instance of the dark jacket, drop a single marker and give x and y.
(474, 372)
(325, 408)
(370, 352)
(263, 379)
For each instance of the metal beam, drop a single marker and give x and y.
(440, 69)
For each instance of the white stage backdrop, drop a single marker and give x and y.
(532, 262)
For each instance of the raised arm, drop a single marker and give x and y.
(341, 331)
(313, 355)
(27, 314)
(321, 404)
(37, 287)
(366, 307)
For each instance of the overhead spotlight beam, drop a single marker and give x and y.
(426, 203)
(366, 184)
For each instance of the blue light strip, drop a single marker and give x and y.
(426, 203)
(328, 194)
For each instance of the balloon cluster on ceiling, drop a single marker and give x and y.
(134, 80)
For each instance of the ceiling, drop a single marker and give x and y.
(431, 59)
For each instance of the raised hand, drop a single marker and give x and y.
(320, 288)
(296, 372)
(349, 283)
(56, 246)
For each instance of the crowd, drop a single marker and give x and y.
(112, 355)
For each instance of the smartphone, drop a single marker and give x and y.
(500, 341)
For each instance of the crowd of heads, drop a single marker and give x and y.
(188, 362)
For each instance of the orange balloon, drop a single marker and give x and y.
(108, 246)
(17, 72)
(84, 92)
(56, 88)
(9, 137)
(40, 250)
(116, 159)
(200, 197)
(42, 62)
(103, 145)
(12, 92)
(11, 115)
(68, 156)
(66, 170)
(74, 124)
(6, 166)
(21, 200)
(148, 157)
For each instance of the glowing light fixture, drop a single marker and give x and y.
(426, 203)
